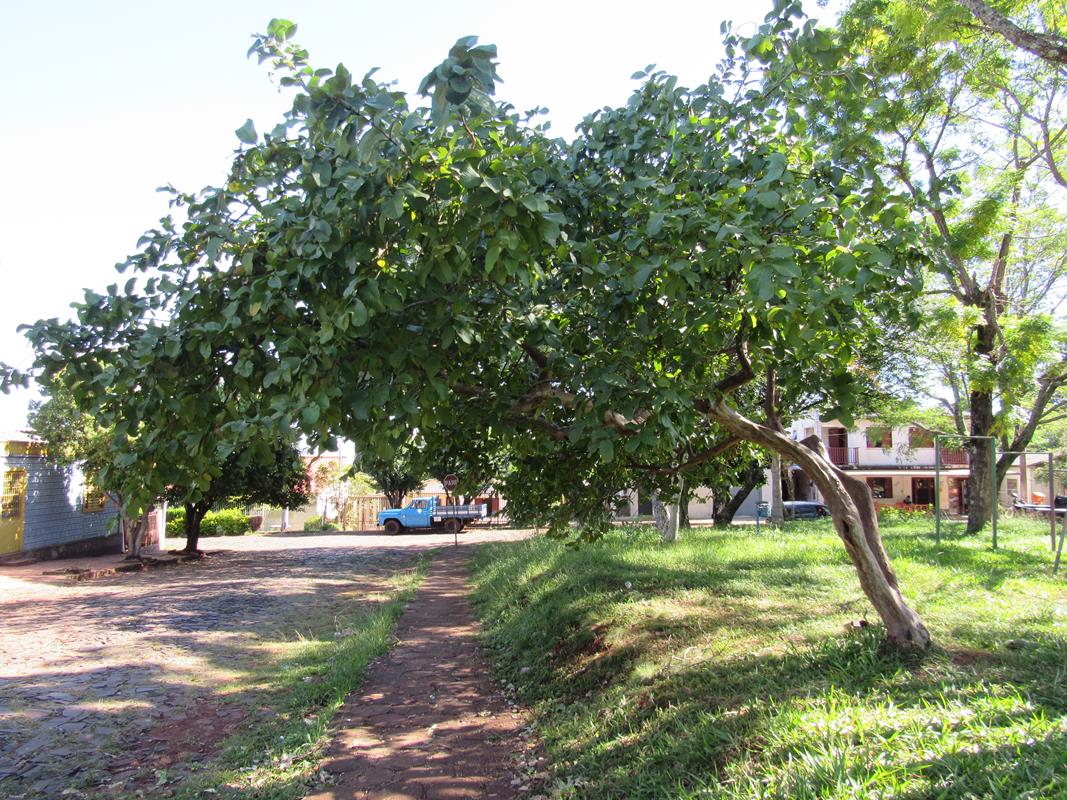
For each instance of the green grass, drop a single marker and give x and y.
(299, 685)
(719, 667)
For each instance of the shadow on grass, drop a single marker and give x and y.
(638, 703)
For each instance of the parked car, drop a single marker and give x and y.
(799, 509)
(805, 509)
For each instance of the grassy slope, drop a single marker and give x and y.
(719, 667)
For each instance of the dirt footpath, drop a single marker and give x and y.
(429, 723)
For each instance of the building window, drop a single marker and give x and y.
(917, 437)
(880, 437)
(12, 499)
(881, 488)
(93, 500)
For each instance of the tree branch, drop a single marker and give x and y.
(1046, 46)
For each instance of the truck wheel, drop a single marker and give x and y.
(393, 526)
(453, 525)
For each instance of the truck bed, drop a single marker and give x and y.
(472, 511)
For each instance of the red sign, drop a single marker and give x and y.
(450, 482)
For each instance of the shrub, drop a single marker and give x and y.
(175, 521)
(229, 522)
(316, 524)
(903, 513)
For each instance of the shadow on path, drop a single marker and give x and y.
(429, 722)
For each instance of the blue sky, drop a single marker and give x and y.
(105, 101)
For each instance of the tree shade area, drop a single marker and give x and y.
(631, 307)
(718, 667)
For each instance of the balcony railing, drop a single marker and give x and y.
(954, 458)
(844, 456)
(850, 457)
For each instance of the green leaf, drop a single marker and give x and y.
(247, 133)
(642, 275)
(655, 224)
(491, 256)
(769, 199)
(393, 207)
(321, 172)
(535, 203)
(280, 28)
(606, 448)
(359, 313)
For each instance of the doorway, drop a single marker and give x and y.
(12, 510)
(922, 491)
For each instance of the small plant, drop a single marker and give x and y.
(316, 524)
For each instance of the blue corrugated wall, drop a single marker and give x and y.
(54, 513)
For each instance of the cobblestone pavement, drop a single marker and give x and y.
(95, 676)
(429, 723)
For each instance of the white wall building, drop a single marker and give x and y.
(898, 464)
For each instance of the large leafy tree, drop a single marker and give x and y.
(396, 475)
(257, 473)
(974, 131)
(374, 270)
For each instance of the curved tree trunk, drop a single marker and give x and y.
(725, 513)
(855, 519)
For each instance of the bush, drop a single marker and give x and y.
(175, 521)
(903, 513)
(316, 524)
(229, 522)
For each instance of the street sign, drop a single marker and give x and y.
(450, 482)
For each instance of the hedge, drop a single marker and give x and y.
(229, 522)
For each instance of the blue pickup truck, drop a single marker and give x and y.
(428, 513)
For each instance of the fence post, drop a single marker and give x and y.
(937, 487)
(1063, 533)
(1052, 505)
(993, 483)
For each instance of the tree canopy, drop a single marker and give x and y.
(370, 269)
(974, 130)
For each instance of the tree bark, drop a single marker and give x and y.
(133, 532)
(777, 508)
(194, 515)
(725, 513)
(1046, 46)
(981, 494)
(855, 520)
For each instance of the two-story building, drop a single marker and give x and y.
(898, 464)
